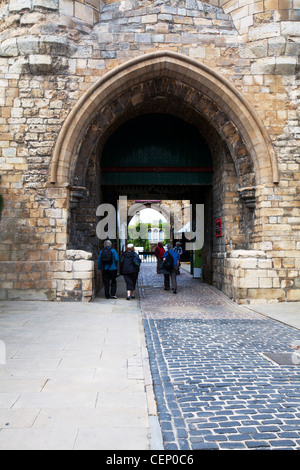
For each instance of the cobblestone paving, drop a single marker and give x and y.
(215, 387)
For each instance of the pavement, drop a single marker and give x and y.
(75, 376)
(175, 372)
(284, 312)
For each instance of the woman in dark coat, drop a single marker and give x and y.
(130, 265)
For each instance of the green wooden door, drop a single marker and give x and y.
(156, 149)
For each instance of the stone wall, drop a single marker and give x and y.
(52, 52)
(252, 276)
(75, 277)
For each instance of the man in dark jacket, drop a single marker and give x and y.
(130, 265)
(173, 271)
(109, 269)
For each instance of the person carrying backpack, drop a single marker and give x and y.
(130, 266)
(178, 250)
(169, 268)
(108, 265)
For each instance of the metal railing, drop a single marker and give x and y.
(147, 257)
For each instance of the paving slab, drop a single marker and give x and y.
(285, 312)
(75, 376)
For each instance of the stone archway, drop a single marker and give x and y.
(93, 109)
(168, 96)
(173, 84)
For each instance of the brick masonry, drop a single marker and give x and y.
(53, 53)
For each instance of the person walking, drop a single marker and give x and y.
(108, 266)
(130, 266)
(159, 253)
(178, 250)
(170, 268)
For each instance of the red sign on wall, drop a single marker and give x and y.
(219, 227)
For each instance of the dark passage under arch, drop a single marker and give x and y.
(156, 149)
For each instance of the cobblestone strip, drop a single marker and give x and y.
(215, 387)
(173, 425)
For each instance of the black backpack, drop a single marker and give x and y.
(106, 257)
(168, 262)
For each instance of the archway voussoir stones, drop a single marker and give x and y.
(172, 65)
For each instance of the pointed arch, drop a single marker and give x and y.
(173, 66)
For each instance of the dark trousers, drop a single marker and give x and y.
(173, 274)
(110, 282)
(130, 280)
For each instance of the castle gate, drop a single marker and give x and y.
(78, 77)
(221, 154)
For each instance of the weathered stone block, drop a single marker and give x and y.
(290, 28)
(49, 238)
(285, 65)
(68, 266)
(266, 246)
(87, 285)
(83, 275)
(249, 282)
(266, 294)
(247, 263)
(48, 4)
(246, 254)
(78, 254)
(263, 31)
(66, 7)
(149, 19)
(84, 13)
(31, 294)
(264, 263)
(40, 64)
(264, 66)
(276, 47)
(293, 295)
(19, 5)
(31, 18)
(72, 285)
(63, 275)
(265, 283)
(9, 48)
(256, 50)
(61, 238)
(83, 265)
(28, 45)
